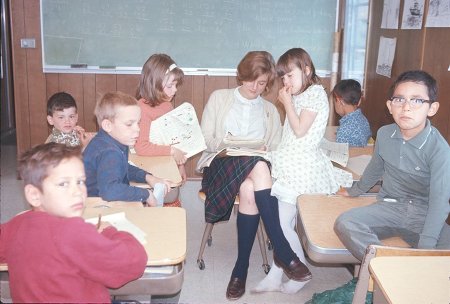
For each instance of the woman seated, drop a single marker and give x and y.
(242, 113)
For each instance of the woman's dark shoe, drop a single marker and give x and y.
(296, 270)
(235, 289)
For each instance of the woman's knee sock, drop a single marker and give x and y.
(247, 225)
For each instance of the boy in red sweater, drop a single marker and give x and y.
(52, 254)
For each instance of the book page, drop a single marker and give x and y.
(179, 128)
(120, 222)
(236, 142)
(336, 152)
(235, 151)
(359, 163)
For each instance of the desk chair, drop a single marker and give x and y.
(207, 239)
(365, 282)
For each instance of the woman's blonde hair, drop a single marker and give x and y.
(255, 64)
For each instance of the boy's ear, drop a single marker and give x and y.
(106, 125)
(33, 195)
(389, 105)
(434, 107)
(50, 120)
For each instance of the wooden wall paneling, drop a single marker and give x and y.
(52, 87)
(104, 83)
(128, 84)
(89, 101)
(19, 63)
(436, 61)
(36, 78)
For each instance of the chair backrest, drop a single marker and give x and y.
(364, 280)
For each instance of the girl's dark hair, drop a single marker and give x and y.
(298, 57)
(417, 76)
(348, 90)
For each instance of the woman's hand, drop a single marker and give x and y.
(178, 155)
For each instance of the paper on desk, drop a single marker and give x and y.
(359, 163)
(336, 152)
(120, 222)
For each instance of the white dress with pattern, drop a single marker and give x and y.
(298, 163)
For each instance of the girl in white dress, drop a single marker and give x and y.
(298, 164)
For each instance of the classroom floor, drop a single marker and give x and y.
(200, 286)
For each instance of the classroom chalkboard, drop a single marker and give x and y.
(199, 34)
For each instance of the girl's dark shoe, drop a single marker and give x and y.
(296, 270)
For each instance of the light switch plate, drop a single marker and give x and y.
(28, 43)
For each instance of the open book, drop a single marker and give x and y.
(236, 146)
(179, 128)
(336, 152)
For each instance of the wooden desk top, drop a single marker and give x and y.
(412, 279)
(319, 212)
(165, 228)
(160, 166)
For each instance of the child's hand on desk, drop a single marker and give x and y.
(151, 200)
(103, 226)
(342, 191)
(153, 180)
(178, 155)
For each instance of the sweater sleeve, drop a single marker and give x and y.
(143, 145)
(111, 171)
(209, 123)
(112, 257)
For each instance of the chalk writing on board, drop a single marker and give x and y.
(196, 33)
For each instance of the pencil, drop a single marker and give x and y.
(99, 221)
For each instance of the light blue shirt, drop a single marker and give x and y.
(353, 129)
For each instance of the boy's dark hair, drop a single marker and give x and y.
(34, 164)
(298, 57)
(417, 76)
(60, 101)
(348, 90)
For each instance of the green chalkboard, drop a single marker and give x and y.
(213, 34)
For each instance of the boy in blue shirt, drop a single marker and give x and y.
(354, 128)
(108, 173)
(413, 160)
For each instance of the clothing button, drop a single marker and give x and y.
(410, 202)
(404, 142)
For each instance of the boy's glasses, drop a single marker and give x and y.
(414, 103)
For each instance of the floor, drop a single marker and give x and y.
(200, 286)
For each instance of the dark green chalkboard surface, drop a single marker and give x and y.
(198, 34)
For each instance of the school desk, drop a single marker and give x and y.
(160, 166)
(165, 230)
(411, 279)
(315, 222)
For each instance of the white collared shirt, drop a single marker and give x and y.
(246, 117)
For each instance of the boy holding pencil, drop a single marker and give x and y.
(53, 255)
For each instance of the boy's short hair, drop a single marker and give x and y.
(417, 76)
(60, 101)
(106, 107)
(348, 90)
(35, 163)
